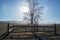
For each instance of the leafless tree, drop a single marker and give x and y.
(34, 13)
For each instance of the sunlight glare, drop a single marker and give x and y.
(24, 9)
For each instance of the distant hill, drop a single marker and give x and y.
(25, 23)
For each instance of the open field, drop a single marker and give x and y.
(22, 32)
(3, 28)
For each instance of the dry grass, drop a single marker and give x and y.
(18, 34)
(3, 28)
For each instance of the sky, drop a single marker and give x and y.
(11, 10)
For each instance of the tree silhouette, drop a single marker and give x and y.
(34, 14)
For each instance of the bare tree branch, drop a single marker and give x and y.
(34, 13)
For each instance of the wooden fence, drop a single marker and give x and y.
(4, 29)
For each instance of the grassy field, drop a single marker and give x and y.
(3, 28)
(19, 32)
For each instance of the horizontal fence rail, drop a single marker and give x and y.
(34, 30)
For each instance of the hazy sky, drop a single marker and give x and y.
(10, 10)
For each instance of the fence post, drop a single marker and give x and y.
(8, 28)
(55, 29)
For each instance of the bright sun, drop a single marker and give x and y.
(24, 9)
